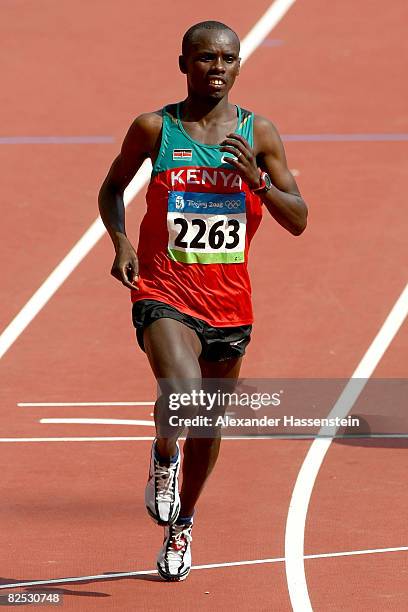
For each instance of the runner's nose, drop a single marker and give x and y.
(219, 65)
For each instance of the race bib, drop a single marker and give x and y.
(206, 228)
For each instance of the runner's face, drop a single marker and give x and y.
(212, 63)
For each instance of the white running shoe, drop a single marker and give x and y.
(161, 494)
(174, 558)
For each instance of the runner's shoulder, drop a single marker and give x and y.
(266, 135)
(147, 124)
(143, 134)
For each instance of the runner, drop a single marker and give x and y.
(215, 165)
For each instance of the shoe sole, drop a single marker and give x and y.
(172, 577)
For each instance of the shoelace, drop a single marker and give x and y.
(165, 477)
(179, 540)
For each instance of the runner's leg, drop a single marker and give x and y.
(200, 454)
(173, 351)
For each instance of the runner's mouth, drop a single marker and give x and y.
(216, 82)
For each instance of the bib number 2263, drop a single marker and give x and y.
(206, 228)
(222, 233)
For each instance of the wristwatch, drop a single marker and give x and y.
(265, 184)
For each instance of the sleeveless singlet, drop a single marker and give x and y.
(200, 220)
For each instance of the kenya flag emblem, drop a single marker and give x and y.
(182, 153)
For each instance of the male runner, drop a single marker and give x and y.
(215, 165)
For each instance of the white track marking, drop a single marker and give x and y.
(89, 421)
(74, 404)
(107, 576)
(82, 439)
(95, 232)
(119, 438)
(59, 275)
(351, 553)
(296, 520)
(261, 29)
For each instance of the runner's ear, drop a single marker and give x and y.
(182, 64)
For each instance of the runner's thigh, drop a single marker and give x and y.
(173, 349)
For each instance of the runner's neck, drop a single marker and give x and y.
(207, 112)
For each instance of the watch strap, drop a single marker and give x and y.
(264, 186)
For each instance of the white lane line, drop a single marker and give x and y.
(81, 439)
(59, 275)
(119, 438)
(351, 553)
(74, 404)
(298, 507)
(95, 232)
(261, 29)
(132, 422)
(142, 438)
(89, 421)
(107, 576)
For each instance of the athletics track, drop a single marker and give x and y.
(330, 75)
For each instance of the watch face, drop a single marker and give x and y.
(267, 179)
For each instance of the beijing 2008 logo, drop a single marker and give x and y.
(179, 202)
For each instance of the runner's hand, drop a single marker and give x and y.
(125, 267)
(246, 161)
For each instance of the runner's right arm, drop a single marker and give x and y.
(140, 142)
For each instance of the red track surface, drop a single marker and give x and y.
(75, 509)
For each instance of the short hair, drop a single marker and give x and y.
(203, 25)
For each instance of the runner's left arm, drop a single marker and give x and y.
(283, 200)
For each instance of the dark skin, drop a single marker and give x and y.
(211, 64)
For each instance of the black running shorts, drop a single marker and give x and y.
(218, 343)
